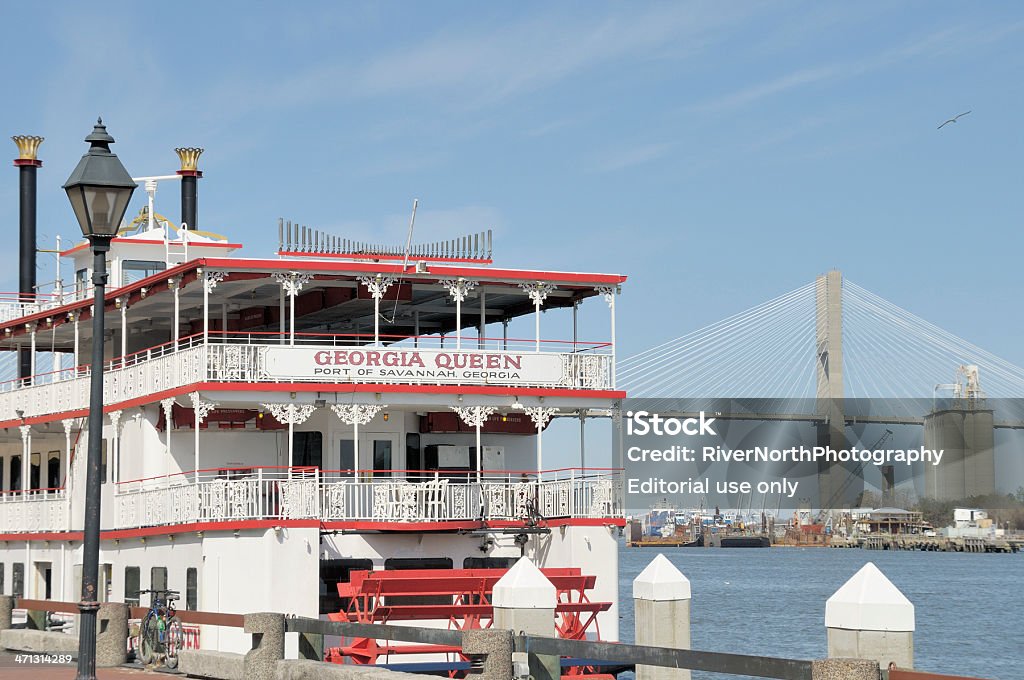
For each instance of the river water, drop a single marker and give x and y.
(969, 607)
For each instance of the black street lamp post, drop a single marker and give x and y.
(99, 190)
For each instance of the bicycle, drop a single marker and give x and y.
(161, 631)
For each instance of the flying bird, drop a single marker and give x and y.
(952, 120)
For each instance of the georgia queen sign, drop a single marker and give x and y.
(413, 365)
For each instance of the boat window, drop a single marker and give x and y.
(402, 563)
(15, 473)
(347, 457)
(3, 569)
(191, 589)
(382, 461)
(158, 578)
(489, 562)
(333, 572)
(308, 449)
(413, 460)
(136, 270)
(53, 470)
(34, 471)
(81, 281)
(18, 580)
(132, 579)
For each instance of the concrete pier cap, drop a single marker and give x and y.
(869, 601)
(524, 587)
(661, 580)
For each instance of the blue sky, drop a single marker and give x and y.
(717, 153)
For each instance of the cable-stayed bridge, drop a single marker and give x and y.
(837, 356)
(829, 338)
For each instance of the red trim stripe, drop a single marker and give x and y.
(337, 388)
(242, 525)
(581, 278)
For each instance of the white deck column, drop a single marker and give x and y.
(175, 283)
(356, 415)
(476, 416)
(483, 319)
(540, 417)
(115, 448)
(538, 293)
(458, 288)
(210, 281)
(869, 618)
(661, 603)
(583, 439)
(54, 354)
(200, 410)
(458, 322)
(168, 407)
(609, 293)
(524, 600)
(575, 323)
(122, 303)
(75, 315)
(32, 355)
(26, 447)
(291, 283)
(280, 316)
(291, 414)
(378, 286)
(68, 423)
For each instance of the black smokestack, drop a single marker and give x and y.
(190, 175)
(27, 164)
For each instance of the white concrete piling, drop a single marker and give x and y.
(524, 601)
(869, 618)
(661, 611)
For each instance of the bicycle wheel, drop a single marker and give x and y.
(174, 640)
(147, 640)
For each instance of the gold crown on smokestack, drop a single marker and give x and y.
(189, 157)
(28, 146)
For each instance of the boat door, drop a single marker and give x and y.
(378, 454)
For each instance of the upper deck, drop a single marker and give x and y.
(327, 315)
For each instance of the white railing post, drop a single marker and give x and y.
(572, 491)
(259, 494)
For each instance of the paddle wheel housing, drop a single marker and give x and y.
(462, 597)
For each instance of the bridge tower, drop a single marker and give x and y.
(835, 486)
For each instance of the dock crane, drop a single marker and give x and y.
(856, 473)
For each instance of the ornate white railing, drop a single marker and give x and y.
(150, 372)
(273, 497)
(34, 512)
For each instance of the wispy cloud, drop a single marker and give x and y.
(753, 93)
(550, 127)
(623, 158)
(479, 65)
(946, 41)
